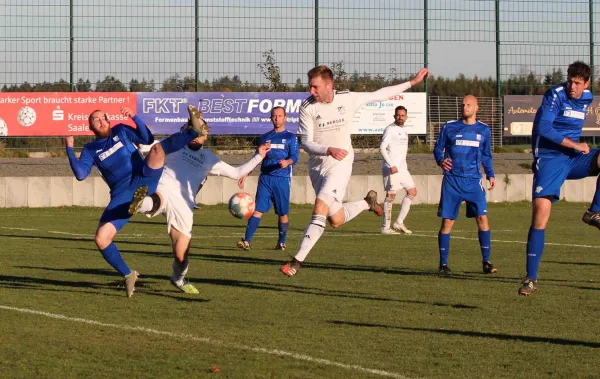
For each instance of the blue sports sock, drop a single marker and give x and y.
(253, 223)
(535, 247)
(283, 228)
(178, 140)
(113, 257)
(595, 207)
(444, 245)
(485, 240)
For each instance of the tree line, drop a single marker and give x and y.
(523, 84)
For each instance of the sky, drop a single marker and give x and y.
(154, 39)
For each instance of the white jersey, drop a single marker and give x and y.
(186, 170)
(325, 125)
(394, 146)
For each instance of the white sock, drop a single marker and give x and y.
(312, 233)
(146, 205)
(179, 271)
(353, 209)
(387, 212)
(405, 207)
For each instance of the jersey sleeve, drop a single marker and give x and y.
(547, 114)
(306, 128)
(486, 154)
(81, 167)
(221, 168)
(362, 98)
(140, 135)
(293, 148)
(440, 143)
(385, 142)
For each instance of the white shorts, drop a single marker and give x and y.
(396, 182)
(177, 212)
(333, 182)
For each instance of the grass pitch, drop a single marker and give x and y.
(363, 306)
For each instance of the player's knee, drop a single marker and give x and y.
(157, 149)
(412, 193)
(102, 241)
(482, 222)
(390, 195)
(334, 223)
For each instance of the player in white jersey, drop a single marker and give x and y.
(184, 174)
(326, 125)
(394, 146)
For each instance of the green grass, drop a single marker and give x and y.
(362, 299)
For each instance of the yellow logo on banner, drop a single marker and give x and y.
(521, 128)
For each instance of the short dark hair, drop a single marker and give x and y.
(579, 69)
(322, 71)
(278, 107)
(400, 108)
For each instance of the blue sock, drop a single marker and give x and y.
(444, 245)
(178, 140)
(253, 223)
(113, 257)
(485, 240)
(535, 247)
(595, 207)
(283, 228)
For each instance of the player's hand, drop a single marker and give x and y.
(242, 181)
(69, 141)
(127, 112)
(284, 163)
(582, 147)
(492, 181)
(422, 74)
(446, 164)
(393, 170)
(337, 153)
(264, 149)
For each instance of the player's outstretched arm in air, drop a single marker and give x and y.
(390, 91)
(141, 134)
(223, 169)
(81, 167)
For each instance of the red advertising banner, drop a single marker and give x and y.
(59, 113)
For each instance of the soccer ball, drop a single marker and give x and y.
(26, 116)
(3, 128)
(241, 205)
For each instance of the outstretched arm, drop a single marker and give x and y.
(141, 134)
(81, 167)
(387, 92)
(223, 169)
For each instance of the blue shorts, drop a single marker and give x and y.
(273, 190)
(455, 190)
(117, 210)
(549, 173)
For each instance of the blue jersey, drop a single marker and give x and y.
(116, 156)
(469, 146)
(284, 145)
(558, 117)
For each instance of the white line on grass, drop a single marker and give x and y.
(180, 336)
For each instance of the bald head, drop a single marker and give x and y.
(469, 109)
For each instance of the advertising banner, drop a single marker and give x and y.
(59, 113)
(519, 112)
(245, 113)
(249, 112)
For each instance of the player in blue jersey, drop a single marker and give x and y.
(275, 179)
(461, 148)
(558, 156)
(124, 169)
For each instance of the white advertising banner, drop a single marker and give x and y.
(374, 117)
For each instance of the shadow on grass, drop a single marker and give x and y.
(466, 333)
(573, 263)
(88, 239)
(41, 284)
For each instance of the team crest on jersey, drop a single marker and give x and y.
(478, 137)
(116, 138)
(283, 140)
(342, 109)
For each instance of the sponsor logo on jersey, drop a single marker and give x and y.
(318, 117)
(110, 151)
(463, 142)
